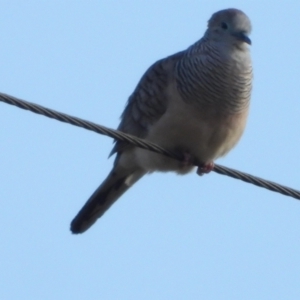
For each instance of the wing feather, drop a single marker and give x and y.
(148, 102)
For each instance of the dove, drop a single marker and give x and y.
(194, 102)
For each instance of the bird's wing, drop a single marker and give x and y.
(148, 102)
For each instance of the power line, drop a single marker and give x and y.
(275, 187)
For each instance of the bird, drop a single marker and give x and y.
(194, 102)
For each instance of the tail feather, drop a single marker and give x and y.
(113, 187)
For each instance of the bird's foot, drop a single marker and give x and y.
(187, 161)
(205, 168)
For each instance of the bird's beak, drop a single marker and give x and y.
(242, 36)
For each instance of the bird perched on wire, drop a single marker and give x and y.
(194, 102)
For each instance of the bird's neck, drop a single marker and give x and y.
(215, 76)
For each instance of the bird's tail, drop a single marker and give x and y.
(116, 184)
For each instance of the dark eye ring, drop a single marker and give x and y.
(224, 25)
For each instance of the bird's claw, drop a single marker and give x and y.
(205, 168)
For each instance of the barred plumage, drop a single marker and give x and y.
(203, 75)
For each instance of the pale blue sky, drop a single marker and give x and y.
(169, 237)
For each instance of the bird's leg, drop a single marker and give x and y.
(187, 160)
(205, 168)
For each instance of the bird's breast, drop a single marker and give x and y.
(204, 134)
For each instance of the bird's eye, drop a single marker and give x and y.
(224, 25)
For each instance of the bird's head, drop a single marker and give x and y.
(229, 26)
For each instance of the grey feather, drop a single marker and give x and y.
(113, 187)
(148, 102)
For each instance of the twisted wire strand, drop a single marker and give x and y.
(272, 186)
